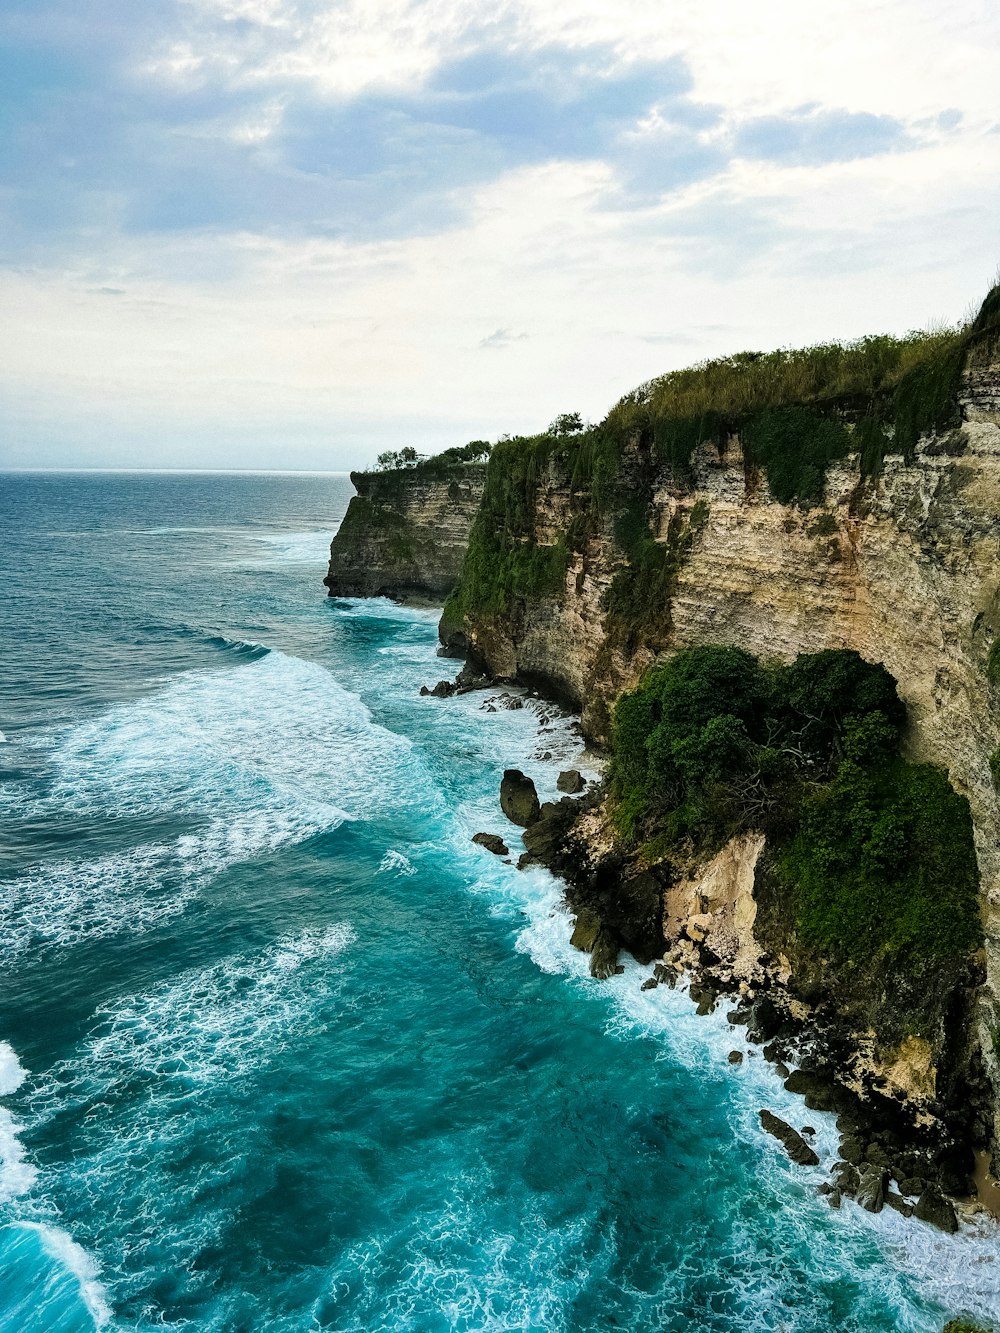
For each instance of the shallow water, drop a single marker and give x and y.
(282, 1050)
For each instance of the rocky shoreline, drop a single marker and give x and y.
(898, 1150)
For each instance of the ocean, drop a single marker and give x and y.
(280, 1048)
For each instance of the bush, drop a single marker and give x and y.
(876, 854)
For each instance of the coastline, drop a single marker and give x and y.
(773, 1018)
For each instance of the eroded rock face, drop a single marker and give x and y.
(405, 533)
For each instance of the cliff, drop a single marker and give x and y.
(866, 518)
(405, 532)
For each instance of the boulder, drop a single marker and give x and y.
(793, 1142)
(649, 984)
(518, 798)
(735, 1057)
(604, 956)
(852, 1150)
(570, 782)
(872, 1181)
(934, 1208)
(586, 929)
(492, 842)
(845, 1177)
(899, 1204)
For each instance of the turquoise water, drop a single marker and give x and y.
(282, 1050)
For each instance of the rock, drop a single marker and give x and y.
(781, 1070)
(934, 1208)
(877, 1156)
(766, 1021)
(571, 781)
(544, 836)
(872, 1181)
(852, 1150)
(586, 929)
(649, 984)
(793, 1142)
(518, 798)
(912, 1186)
(444, 689)
(604, 956)
(735, 1057)
(808, 1129)
(704, 997)
(666, 976)
(738, 1017)
(833, 1198)
(845, 1177)
(510, 702)
(898, 1204)
(492, 842)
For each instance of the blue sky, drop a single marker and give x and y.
(291, 233)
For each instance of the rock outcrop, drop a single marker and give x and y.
(405, 532)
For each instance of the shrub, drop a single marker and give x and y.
(876, 854)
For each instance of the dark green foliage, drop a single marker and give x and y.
(566, 423)
(795, 445)
(819, 692)
(504, 561)
(926, 398)
(676, 438)
(876, 853)
(884, 862)
(993, 664)
(639, 599)
(995, 767)
(872, 440)
(963, 1326)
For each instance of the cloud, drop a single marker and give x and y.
(309, 211)
(812, 135)
(501, 338)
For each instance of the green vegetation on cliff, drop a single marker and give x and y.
(875, 854)
(505, 558)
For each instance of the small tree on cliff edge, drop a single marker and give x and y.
(394, 458)
(567, 423)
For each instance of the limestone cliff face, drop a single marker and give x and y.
(903, 568)
(405, 532)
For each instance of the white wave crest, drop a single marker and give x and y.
(255, 757)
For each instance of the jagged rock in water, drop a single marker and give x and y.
(492, 842)
(518, 798)
(934, 1208)
(604, 956)
(898, 1204)
(570, 782)
(790, 1139)
(586, 929)
(872, 1181)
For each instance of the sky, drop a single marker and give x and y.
(294, 233)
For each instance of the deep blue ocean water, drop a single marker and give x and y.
(280, 1049)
